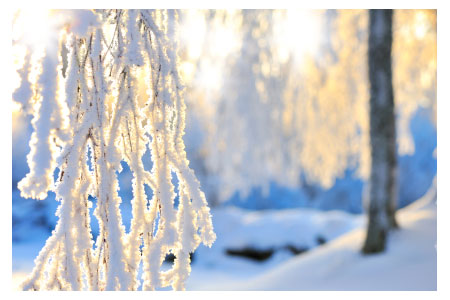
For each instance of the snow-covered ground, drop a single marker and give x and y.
(408, 264)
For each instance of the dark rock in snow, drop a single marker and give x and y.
(251, 253)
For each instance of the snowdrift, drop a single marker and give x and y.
(409, 263)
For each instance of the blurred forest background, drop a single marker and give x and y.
(277, 121)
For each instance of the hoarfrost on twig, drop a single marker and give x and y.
(96, 106)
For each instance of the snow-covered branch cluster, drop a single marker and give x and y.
(89, 116)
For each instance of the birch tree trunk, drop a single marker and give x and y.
(383, 180)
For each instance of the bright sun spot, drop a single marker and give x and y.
(421, 25)
(218, 37)
(35, 28)
(207, 42)
(192, 32)
(297, 32)
(224, 39)
(187, 70)
(210, 76)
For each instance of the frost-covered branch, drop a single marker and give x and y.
(97, 108)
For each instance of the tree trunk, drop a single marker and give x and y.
(382, 182)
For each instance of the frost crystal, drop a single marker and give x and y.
(94, 104)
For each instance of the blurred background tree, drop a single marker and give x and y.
(383, 148)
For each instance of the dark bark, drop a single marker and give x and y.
(382, 182)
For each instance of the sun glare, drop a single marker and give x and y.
(421, 25)
(192, 32)
(187, 70)
(216, 36)
(210, 76)
(35, 28)
(297, 33)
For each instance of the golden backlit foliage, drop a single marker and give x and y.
(332, 97)
(327, 101)
(414, 68)
(318, 86)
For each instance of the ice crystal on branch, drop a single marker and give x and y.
(89, 100)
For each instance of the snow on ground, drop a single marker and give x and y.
(408, 264)
(273, 229)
